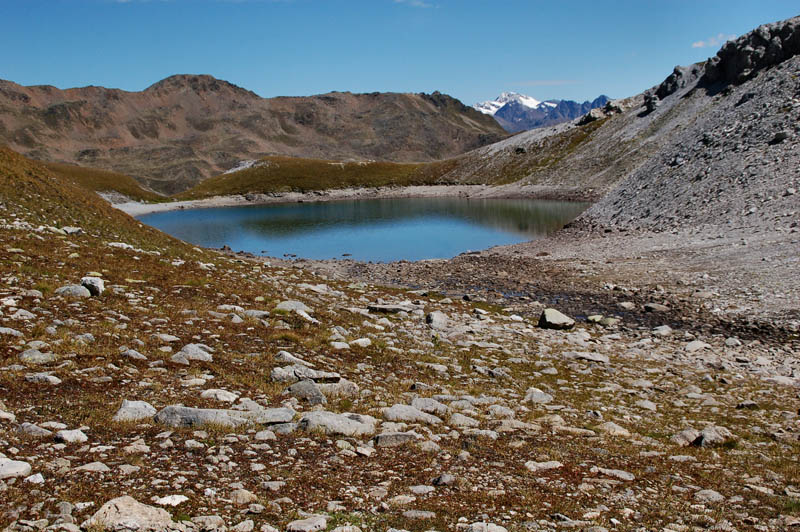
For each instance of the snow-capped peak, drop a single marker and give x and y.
(492, 106)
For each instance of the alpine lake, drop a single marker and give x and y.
(378, 230)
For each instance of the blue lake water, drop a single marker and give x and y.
(369, 230)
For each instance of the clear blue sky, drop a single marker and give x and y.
(472, 49)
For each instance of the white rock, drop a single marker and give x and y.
(537, 396)
(125, 514)
(219, 395)
(71, 436)
(13, 468)
(171, 500)
(134, 411)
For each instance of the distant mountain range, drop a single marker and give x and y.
(187, 128)
(518, 112)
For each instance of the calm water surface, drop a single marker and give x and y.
(376, 230)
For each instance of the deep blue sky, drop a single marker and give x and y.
(472, 49)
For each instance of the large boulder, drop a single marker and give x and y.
(196, 352)
(13, 468)
(299, 372)
(338, 424)
(409, 414)
(553, 319)
(73, 290)
(95, 285)
(126, 514)
(437, 320)
(134, 411)
(294, 306)
(307, 390)
(34, 356)
(183, 416)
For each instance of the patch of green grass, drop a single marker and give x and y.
(791, 506)
(104, 181)
(288, 174)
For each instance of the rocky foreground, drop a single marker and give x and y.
(149, 385)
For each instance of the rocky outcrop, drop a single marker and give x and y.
(766, 46)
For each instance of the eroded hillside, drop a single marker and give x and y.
(186, 128)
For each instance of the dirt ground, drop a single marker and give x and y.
(741, 283)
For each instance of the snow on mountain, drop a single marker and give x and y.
(492, 106)
(518, 112)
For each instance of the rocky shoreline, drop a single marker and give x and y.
(513, 191)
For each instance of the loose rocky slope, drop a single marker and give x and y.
(149, 385)
(186, 128)
(737, 161)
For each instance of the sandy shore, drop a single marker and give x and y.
(428, 191)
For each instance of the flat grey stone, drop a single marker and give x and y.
(135, 355)
(34, 430)
(307, 390)
(437, 320)
(461, 421)
(294, 306)
(338, 424)
(73, 290)
(125, 514)
(94, 467)
(219, 395)
(197, 352)
(430, 406)
(182, 416)
(553, 319)
(13, 468)
(389, 309)
(409, 414)
(537, 396)
(34, 356)
(42, 377)
(71, 436)
(309, 524)
(134, 411)
(299, 372)
(394, 439)
(6, 331)
(256, 314)
(536, 467)
(708, 496)
(588, 356)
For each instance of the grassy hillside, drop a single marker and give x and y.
(284, 174)
(29, 191)
(105, 181)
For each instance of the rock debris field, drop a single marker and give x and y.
(149, 385)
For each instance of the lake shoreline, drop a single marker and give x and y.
(515, 191)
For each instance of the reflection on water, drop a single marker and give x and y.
(377, 230)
